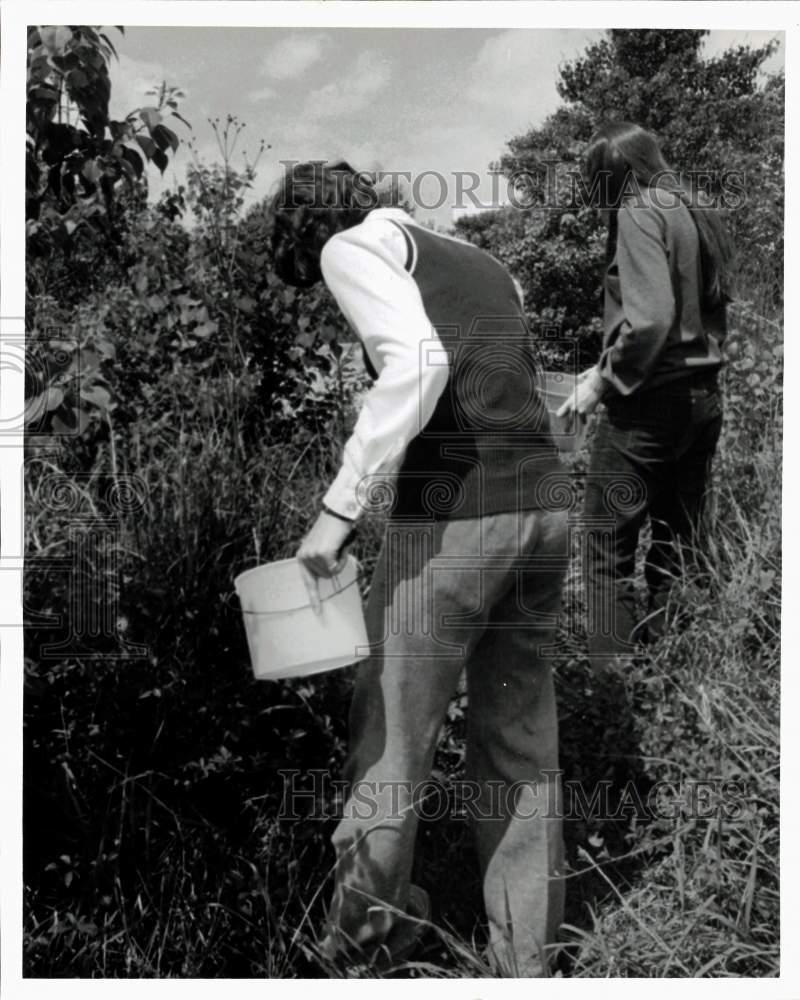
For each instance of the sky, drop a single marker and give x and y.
(417, 100)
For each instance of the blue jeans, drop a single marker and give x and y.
(483, 595)
(651, 457)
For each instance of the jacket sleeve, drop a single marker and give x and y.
(364, 268)
(648, 302)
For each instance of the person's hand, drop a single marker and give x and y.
(320, 554)
(589, 389)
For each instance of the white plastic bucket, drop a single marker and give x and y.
(285, 636)
(568, 432)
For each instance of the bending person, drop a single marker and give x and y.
(469, 576)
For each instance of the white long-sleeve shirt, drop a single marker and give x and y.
(365, 269)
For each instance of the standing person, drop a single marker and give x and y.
(665, 298)
(469, 576)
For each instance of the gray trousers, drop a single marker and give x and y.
(481, 595)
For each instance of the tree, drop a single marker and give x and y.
(710, 115)
(706, 113)
(77, 157)
(85, 182)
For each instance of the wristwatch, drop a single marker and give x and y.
(341, 517)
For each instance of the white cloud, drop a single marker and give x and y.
(515, 71)
(131, 79)
(292, 56)
(262, 94)
(356, 90)
(361, 155)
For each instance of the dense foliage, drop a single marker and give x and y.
(714, 118)
(84, 182)
(207, 406)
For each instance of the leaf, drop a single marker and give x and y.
(59, 141)
(120, 130)
(132, 157)
(54, 398)
(246, 304)
(305, 339)
(173, 139)
(109, 43)
(95, 57)
(160, 160)
(328, 333)
(43, 94)
(147, 145)
(89, 360)
(98, 395)
(207, 329)
(165, 137)
(61, 426)
(55, 38)
(150, 116)
(181, 119)
(91, 171)
(77, 78)
(81, 419)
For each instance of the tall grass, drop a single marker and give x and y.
(706, 708)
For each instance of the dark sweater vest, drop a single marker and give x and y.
(487, 446)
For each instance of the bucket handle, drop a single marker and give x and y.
(300, 607)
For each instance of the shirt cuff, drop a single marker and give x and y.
(342, 496)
